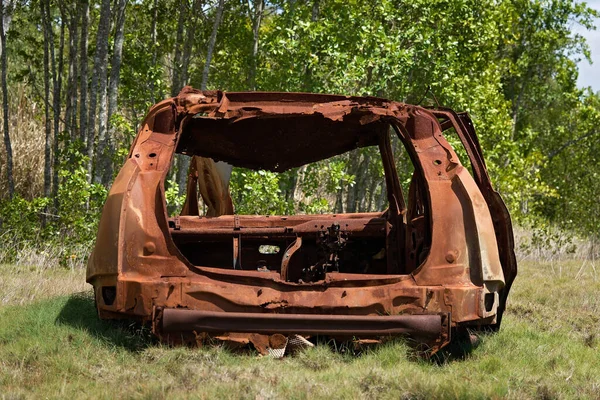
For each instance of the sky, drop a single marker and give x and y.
(589, 75)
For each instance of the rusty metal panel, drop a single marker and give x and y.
(440, 260)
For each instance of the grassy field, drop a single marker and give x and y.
(52, 345)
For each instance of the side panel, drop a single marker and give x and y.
(104, 260)
(146, 252)
(498, 210)
(464, 250)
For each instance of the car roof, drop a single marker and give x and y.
(277, 131)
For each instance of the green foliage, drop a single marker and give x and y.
(571, 167)
(20, 219)
(79, 202)
(126, 132)
(72, 226)
(511, 64)
(174, 199)
(257, 192)
(547, 242)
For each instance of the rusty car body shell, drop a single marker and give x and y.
(460, 279)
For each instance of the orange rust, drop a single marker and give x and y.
(440, 258)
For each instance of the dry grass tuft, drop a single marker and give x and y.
(21, 285)
(28, 140)
(552, 244)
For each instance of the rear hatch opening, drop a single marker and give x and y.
(388, 238)
(300, 248)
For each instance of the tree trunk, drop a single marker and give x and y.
(339, 202)
(297, 194)
(360, 186)
(4, 25)
(256, 20)
(57, 80)
(154, 48)
(99, 89)
(359, 168)
(70, 19)
(183, 162)
(113, 89)
(176, 78)
(6, 10)
(189, 42)
(372, 190)
(84, 11)
(211, 44)
(175, 83)
(48, 123)
(355, 161)
(383, 202)
(308, 73)
(315, 11)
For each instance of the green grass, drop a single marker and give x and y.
(549, 347)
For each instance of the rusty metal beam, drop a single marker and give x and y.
(423, 326)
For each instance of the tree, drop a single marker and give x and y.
(189, 41)
(98, 94)
(5, 18)
(56, 100)
(70, 16)
(47, 28)
(154, 47)
(176, 72)
(256, 15)
(183, 162)
(211, 43)
(84, 16)
(510, 63)
(105, 163)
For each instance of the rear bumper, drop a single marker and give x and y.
(433, 330)
(186, 310)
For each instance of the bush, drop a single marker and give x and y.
(68, 226)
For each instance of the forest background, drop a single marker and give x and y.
(78, 77)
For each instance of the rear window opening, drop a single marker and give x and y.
(358, 212)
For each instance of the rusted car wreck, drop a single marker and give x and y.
(439, 259)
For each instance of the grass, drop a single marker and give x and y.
(52, 345)
(20, 285)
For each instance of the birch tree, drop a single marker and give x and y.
(176, 71)
(70, 16)
(189, 42)
(105, 162)
(84, 16)
(98, 93)
(57, 69)
(211, 43)
(46, 27)
(5, 18)
(183, 162)
(154, 47)
(256, 15)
